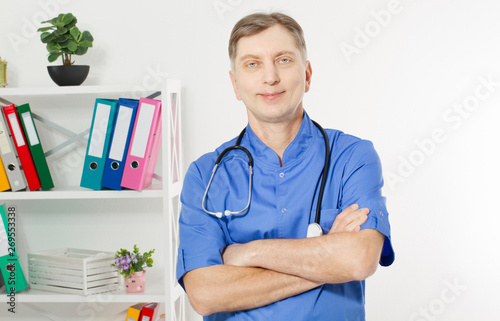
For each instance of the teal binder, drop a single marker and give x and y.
(98, 144)
(10, 268)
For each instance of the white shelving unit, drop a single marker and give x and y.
(158, 203)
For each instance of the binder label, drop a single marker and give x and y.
(99, 130)
(16, 130)
(142, 130)
(30, 128)
(122, 127)
(4, 140)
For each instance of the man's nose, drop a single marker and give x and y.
(271, 74)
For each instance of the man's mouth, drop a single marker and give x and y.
(271, 96)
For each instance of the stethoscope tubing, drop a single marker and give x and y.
(237, 146)
(317, 218)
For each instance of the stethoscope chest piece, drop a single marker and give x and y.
(314, 230)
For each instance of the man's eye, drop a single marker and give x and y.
(284, 60)
(252, 64)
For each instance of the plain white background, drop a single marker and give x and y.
(421, 79)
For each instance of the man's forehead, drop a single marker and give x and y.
(275, 40)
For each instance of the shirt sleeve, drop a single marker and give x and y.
(201, 240)
(362, 185)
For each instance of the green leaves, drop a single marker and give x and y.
(53, 56)
(45, 29)
(80, 51)
(65, 19)
(60, 31)
(75, 33)
(46, 36)
(86, 38)
(72, 46)
(53, 48)
(64, 38)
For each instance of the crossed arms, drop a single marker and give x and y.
(265, 271)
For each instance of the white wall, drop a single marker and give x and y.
(400, 88)
(424, 86)
(129, 43)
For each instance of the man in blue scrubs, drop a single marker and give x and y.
(259, 265)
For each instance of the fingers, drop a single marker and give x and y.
(359, 217)
(350, 219)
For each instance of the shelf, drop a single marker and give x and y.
(154, 191)
(67, 90)
(162, 197)
(153, 293)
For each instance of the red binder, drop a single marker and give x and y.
(149, 312)
(22, 147)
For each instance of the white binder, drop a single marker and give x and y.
(9, 158)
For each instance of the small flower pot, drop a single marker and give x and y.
(73, 75)
(135, 283)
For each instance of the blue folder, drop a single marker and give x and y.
(120, 140)
(98, 144)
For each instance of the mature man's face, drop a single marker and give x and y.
(270, 76)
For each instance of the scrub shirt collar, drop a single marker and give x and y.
(294, 151)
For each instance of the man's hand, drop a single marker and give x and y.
(350, 220)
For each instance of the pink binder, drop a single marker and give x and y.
(144, 145)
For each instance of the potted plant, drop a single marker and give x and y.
(64, 39)
(131, 265)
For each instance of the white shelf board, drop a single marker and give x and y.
(65, 90)
(154, 191)
(153, 293)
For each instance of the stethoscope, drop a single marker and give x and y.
(314, 229)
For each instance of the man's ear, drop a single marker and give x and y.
(308, 75)
(235, 85)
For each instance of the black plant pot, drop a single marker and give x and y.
(68, 75)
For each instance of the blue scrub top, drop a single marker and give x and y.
(283, 204)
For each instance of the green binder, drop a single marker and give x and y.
(10, 267)
(35, 146)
